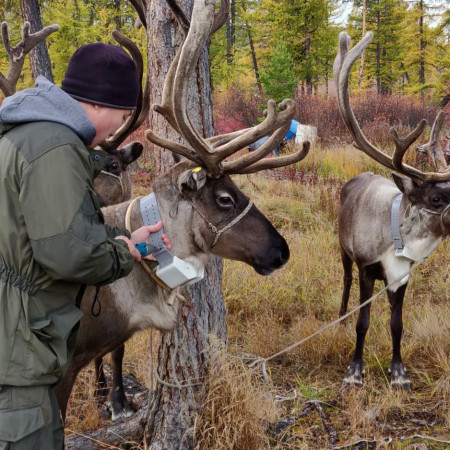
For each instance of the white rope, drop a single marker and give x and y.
(263, 361)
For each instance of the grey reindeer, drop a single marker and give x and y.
(202, 209)
(385, 226)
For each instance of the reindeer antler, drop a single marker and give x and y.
(17, 54)
(142, 107)
(342, 65)
(433, 146)
(211, 153)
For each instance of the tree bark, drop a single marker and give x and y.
(39, 57)
(183, 354)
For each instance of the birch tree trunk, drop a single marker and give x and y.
(183, 354)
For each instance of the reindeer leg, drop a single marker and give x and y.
(348, 278)
(102, 385)
(117, 401)
(398, 372)
(356, 368)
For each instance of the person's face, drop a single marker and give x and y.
(106, 121)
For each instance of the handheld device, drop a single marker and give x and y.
(171, 269)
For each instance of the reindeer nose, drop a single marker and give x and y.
(283, 256)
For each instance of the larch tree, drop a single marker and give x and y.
(384, 55)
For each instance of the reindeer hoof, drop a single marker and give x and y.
(119, 411)
(354, 378)
(399, 379)
(352, 382)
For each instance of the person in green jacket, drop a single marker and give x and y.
(53, 240)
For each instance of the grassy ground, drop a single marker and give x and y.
(303, 401)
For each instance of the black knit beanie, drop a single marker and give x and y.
(102, 74)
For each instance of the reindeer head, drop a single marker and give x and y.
(113, 185)
(198, 190)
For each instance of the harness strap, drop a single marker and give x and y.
(117, 177)
(217, 232)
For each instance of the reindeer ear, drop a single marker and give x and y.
(130, 152)
(192, 180)
(405, 184)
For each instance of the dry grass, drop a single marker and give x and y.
(237, 407)
(267, 314)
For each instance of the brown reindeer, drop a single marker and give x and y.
(385, 226)
(202, 209)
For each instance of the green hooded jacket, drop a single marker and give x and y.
(52, 241)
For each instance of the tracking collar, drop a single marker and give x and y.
(171, 269)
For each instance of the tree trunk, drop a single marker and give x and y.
(254, 60)
(231, 32)
(183, 354)
(422, 46)
(39, 58)
(363, 32)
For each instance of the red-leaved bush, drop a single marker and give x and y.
(235, 109)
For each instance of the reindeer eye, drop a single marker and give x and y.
(225, 200)
(115, 165)
(435, 200)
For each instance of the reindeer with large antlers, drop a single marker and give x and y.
(203, 211)
(385, 227)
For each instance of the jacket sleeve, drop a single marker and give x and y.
(64, 222)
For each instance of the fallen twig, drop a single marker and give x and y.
(421, 436)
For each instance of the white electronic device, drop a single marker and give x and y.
(178, 273)
(171, 269)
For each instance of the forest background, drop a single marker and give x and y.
(278, 49)
(281, 49)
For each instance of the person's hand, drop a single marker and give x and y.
(141, 235)
(133, 250)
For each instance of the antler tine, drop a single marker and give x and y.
(17, 54)
(433, 145)
(221, 139)
(342, 65)
(174, 147)
(221, 16)
(165, 108)
(402, 144)
(273, 121)
(175, 93)
(273, 163)
(141, 9)
(142, 107)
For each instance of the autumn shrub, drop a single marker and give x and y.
(235, 109)
(375, 113)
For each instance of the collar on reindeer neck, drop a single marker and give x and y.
(171, 269)
(395, 224)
